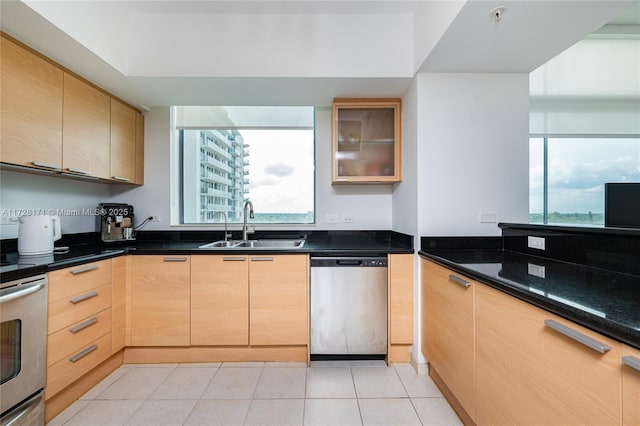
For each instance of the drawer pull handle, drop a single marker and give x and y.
(577, 336)
(234, 259)
(84, 325)
(262, 259)
(79, 171)
(632, 362)
(459, 280)
(46, 166)
(84, 269)
(175, 259)
(83, 353)
(83, 297)
(120, 178)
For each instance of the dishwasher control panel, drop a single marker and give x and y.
(361, 261)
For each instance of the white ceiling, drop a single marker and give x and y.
(295, 52)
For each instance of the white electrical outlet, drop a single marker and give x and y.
(347, 218)
(155, 218)
(536, 270)
(535, 243)
(487, 217)
(331, 218)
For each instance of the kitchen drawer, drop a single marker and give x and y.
(71, 339)
(75, 307)
(74, 280)
(74, 366)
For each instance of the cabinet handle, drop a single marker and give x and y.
(459, 280)
(79, 171)
(46, 166)
(84, 269)
(577, 336)
(83, 353)
(120, 178)
(234, 259)
(262, 259)
(84, 325)
(83, 297)
(632, 362)
(175, 259)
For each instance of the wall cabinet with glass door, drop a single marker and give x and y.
(366, 141)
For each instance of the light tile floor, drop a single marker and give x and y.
(325, 394)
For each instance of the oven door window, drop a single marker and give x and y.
(10, 349)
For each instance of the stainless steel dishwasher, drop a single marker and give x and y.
(348, 307)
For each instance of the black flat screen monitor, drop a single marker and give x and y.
(622, 205)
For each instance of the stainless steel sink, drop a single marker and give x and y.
(248, 244)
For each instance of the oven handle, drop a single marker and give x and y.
(33, 288)
(22, 410)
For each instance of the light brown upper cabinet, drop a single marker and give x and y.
(85, 129)
(139, 148)
(123, 142)
(366, 141)
(31, 105)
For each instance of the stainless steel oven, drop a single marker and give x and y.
(23, 350)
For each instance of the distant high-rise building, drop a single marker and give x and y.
(215, 175)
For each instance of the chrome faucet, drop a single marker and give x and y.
(244, 215)
(226, 234)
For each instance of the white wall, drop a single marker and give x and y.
(369, 205)
(472, 151)
(45, 194)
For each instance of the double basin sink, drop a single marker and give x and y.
(257, 244)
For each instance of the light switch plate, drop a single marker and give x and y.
(487, 217)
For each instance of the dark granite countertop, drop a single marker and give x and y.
(605, 301)
(89, 249)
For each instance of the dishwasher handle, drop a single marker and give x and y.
(349, 262)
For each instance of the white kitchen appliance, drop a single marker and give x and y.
(36, 234)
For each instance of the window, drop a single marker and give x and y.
(232, 154)
(567, 176)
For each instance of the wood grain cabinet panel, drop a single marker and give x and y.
(448, 330)
(123, 142)
(528, 373)
(76, 279)
(86, 129)
(160, 301)
(219, 300)
(278, 301)
(118, 303)
(31, 108)
(139, 148)
(401, 298)
(631, 386)
(76, 307)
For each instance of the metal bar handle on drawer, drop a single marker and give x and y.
(459, 280)
(175, 259)
(262, 259)
(632, 362)
(120, 178)
(84, 269)
(45, 165)
(577, 336)
(234, 259)
(79, 171)
(8, 297)
(83, 297)
(83, 353)
(84, 325)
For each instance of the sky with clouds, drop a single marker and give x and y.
(578, 169)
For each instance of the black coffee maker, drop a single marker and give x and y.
(115, 222)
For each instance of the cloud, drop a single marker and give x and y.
(569, 174)
(279, 169)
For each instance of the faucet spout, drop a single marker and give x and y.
(226, 233)
(247, 205)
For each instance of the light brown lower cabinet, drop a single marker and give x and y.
(160, 300)
(219, 300)
(448, 330)
(630, 386)
(118, 302)
(527, 372)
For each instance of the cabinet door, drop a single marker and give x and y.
(123, 142)
(278, 300)
(528, 373)
(219, 300)
(367, 139)
(401, 299)
(160, 300)
(448, 330)
(85, 129)
(118, 302)
(139, 148)
(31, 108)
(630, 386)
